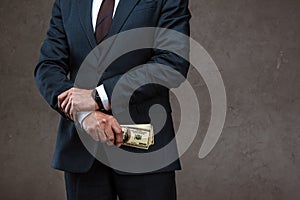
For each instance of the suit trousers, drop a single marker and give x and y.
(103, 183)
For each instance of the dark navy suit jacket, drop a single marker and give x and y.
(70, 39)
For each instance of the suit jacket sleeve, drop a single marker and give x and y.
(175, 15)
(53, 67)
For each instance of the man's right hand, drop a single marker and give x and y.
(103, 127)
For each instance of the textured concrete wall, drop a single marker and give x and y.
(257, 49)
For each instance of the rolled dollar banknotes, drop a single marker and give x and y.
(139, 136)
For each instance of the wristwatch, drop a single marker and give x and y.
(97, 98)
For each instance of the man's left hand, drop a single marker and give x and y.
(76, 100)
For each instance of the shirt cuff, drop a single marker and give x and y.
(81, 116)
(103, 96)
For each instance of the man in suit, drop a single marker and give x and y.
(76, 27)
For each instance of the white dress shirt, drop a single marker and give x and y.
(100, 89)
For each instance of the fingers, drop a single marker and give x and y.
(71, 109)
(65, 102)
(109, 133)
(105, 127)
(112, 130)
(118, 133)
(73, 112)
(64, 98)
(75, 100)
(101, 132)
(61, 98)
(68, 107)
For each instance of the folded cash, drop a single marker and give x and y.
(138, 135)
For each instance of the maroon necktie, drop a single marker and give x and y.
(104, 19)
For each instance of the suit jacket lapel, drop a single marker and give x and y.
(85, 15)
(123, 10)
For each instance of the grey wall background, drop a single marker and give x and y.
(255, 43)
